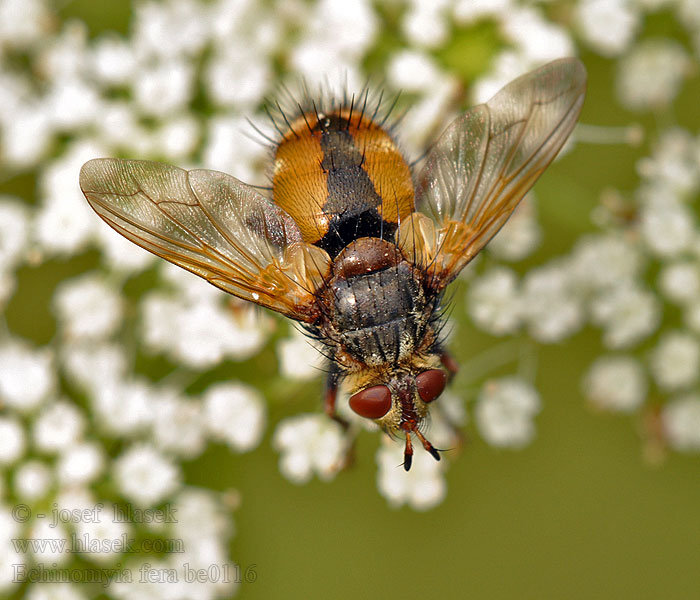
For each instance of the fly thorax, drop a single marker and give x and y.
(378, 303)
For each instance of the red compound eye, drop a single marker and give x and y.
(372, 402)
(430, 384)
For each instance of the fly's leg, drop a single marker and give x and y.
(329, 407)
(452, 367)
(449, 363)
(330, 396)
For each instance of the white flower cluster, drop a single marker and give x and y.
(649, 71)
(553, 301)
(505, 410)
(530, 40)
(310, 444)
(55, 450)
(49, 455)
(605, 281)
(195, 328)
(616, 383)
(631, 278)
(670, 182)
(14, 231)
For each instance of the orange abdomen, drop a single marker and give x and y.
(340, 176)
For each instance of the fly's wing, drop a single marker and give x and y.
(485, 162)
(212, 225)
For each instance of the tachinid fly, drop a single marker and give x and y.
(351, 242)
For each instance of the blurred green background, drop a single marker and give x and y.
(580, 513)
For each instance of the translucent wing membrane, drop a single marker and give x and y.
(485, 162)
(213, 225)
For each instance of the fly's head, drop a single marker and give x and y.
(399, 401)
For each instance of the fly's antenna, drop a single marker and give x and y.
(408, 453)
(432, 450)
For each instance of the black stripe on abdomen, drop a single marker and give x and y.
(352, 202)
